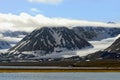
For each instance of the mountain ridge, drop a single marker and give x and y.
(51, 38)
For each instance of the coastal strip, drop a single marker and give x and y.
(10, 69)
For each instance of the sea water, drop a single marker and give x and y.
(61, 76)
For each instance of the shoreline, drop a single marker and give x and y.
(60, 69)
(60, 66)
(53, 70)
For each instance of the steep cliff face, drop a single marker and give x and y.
(54, 39)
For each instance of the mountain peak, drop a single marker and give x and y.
(51, 39)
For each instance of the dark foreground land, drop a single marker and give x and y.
(68, 63)
(61, 66)
(62, 69)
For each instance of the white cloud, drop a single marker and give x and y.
(34, 10)
(10, 39)
(27, 22)
(47, 1)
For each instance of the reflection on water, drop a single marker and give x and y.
(60, 76)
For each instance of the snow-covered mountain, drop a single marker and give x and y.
(89, 33)
(112, 52)
(96, 33)
(51, 39)
(56, 42)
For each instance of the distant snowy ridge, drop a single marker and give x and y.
(13, 33)
(96, 33)
(10, 38)
(4, 44)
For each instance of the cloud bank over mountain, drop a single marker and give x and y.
(26, 22)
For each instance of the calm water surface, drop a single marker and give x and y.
(60, 76)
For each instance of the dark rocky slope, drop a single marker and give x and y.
(47, 40)
(112, 52)
(115, 47)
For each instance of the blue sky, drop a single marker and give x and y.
(92, 10)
